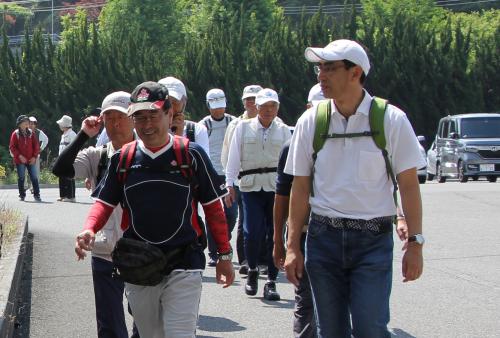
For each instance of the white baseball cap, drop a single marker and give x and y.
(340, 50)
(65, 121)
(266, 95)
(33, 119)
(216, 98)
(251, 91)
(175, 87)
(315, 94)
(116, 101)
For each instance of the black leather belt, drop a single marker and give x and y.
(257, 171)
(377, 225)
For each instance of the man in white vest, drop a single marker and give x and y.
(253, 159)
(216, 124)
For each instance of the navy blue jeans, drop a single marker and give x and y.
(231, 216)
(108, 300)
(32, 172)
(258, 224)
(350, 272)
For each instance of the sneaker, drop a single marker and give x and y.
(251, 285)
(60, 199)
(243, 269)
(263, 270)
(212, 262)
(270, 292)
(38, 199)
(21, 198)
(71, 200)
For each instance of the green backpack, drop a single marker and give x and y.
(376, 117)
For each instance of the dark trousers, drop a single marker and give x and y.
(231, 216)
(108, 293)
(304, 323)
(66, 187)
(258, 224)
(21, 170)
(240, 247)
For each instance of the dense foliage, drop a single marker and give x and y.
(427, 60)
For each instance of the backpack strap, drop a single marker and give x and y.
(190, 131)
(376, 116)
(126, 156)
(322, 122)
(102, 165)
(208, 124)
(181, 151)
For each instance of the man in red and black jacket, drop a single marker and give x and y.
(24, 148)
(160, 210)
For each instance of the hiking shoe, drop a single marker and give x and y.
(21, 198)
(270, 292)
(212, 262)
(38, 199)
(251, 285)
(243, 269)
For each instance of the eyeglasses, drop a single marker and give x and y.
(153, 117)
(327, 68)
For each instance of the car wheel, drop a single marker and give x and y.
(475, 178)
(492, 179)
(461, 172)
(422, 179)
(430, 177)
(439, 174)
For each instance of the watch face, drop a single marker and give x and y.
(419, 239)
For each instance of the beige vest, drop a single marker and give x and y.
(259, 153)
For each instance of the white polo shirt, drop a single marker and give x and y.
(350, 178)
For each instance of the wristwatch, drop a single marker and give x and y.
(419, 238)
(228, 256)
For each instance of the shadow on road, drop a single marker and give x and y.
(398, 333)
(22, 327)
(218, 324)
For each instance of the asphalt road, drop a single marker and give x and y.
(457, 296)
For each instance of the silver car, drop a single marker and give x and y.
(431, 162)
(422, 172)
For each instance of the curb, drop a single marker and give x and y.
(11, 266)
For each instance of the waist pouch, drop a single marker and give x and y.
(140, 263)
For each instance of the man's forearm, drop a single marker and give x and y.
(411, 201)
(280, 215)
(299, 210)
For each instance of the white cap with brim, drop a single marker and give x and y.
(340, 50)
(175, 87)
(251, 91)
(266, 95)
(33, 119)
(118, 101)
(216, 98)
(315, 94)
(65, 121)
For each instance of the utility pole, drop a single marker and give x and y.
(52, 20)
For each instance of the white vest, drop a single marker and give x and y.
(259, 153)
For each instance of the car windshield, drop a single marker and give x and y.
(481, 127)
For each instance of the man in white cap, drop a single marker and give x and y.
(92, 162)
(195, 132)
(253, 160)
(349, 245)
(66, 185)
(216, 124)
(248, 99)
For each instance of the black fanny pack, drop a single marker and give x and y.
(140, 263)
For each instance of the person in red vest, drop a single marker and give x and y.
(24, 147)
